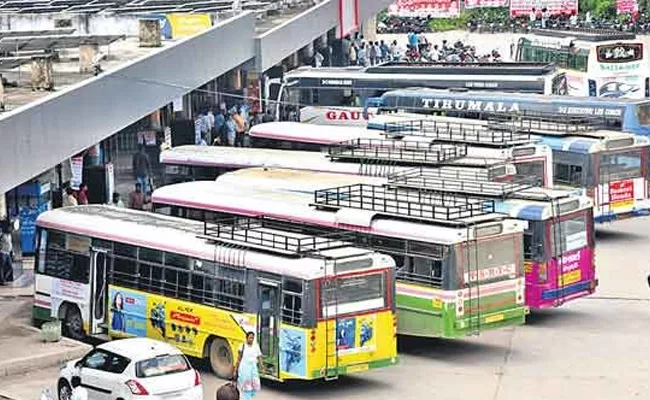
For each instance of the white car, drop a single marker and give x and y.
(135, 368)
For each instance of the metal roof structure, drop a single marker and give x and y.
(586, 34)
(16, 44)
(446, 68)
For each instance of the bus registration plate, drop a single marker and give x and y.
(357, 368)
(494, 318)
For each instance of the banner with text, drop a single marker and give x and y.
(485, 3)
(185, 25)
(524, 7)
(626, 6)
(423, 8)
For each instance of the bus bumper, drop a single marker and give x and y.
(495, 320)
(610, 217)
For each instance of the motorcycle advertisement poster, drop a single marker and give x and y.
(520, 8)
(424, 8)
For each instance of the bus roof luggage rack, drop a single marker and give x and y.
(430, 180)
(448, 68)
(555, 124)
(262, 234)
(396, 152)
(398, 202)
(586, 34)
(507, 134)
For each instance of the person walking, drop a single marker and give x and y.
(6, 253)
(136, 198)
(142, 168)
(249, 365)
(82, 197)
(352, 55)
(231, 130)
(117, 200)
(240, 126)
(69, 199)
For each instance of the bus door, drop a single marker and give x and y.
(99, 290)
(268, 325)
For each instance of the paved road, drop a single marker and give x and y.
(593, 348)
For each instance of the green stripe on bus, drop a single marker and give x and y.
(419, 317)
(351, 369)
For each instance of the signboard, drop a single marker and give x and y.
(619, 52)
(524, 7)
(185, 25)
(485, 3)
(626, 6)
(424, 8)
(621, 194)
(77, 169)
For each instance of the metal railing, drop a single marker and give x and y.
(420, 204)
(380, 150)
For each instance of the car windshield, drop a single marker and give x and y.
(161, 365)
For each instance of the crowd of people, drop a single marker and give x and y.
(228, 126)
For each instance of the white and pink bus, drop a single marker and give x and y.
(530, 158)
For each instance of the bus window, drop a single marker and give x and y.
(619, 166)
(490, 260)
(292, 302)
(643, 113)
(534, 241)
(559, 85)
(531, 170)
(353, 294)
(572, 234)
(568, 174)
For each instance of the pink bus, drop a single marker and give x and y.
(558, 241)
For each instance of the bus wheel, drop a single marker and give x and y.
(221, 359)
(73, 323)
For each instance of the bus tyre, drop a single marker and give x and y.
(73, 323)
(221, 359)
(64, 391)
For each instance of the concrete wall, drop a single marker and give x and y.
(281, 41)
(42, 134)
(93, 24)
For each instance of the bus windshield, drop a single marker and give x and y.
(354, 294)
(643, 113)
(572, 234)
(495, 259)
(531, 170)
(619, 166)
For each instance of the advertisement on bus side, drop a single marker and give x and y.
(621, 194)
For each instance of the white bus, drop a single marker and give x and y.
(332, 96)
(191, 162)
(597, 63)
(106, 271)
(484, 140)
(453, 253)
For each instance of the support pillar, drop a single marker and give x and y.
(42, 76)
(149, 33)
(370, 29)
(87, 54)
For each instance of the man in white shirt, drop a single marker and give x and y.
(78, 392)
(68, 198)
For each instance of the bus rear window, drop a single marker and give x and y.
(354, 294)
(162, 365)
(643, 113)
(620, 166)
(497, 259)
(572, 234)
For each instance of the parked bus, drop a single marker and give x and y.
(504, 142)
(190, 162)
(609, 167)
(460, 265)
(597, 63)
(558, 239)
(331, 96)
(627, 115)
(319, 307)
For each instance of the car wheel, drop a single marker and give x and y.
(73, 323)
(64, 390)
(221, 359)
